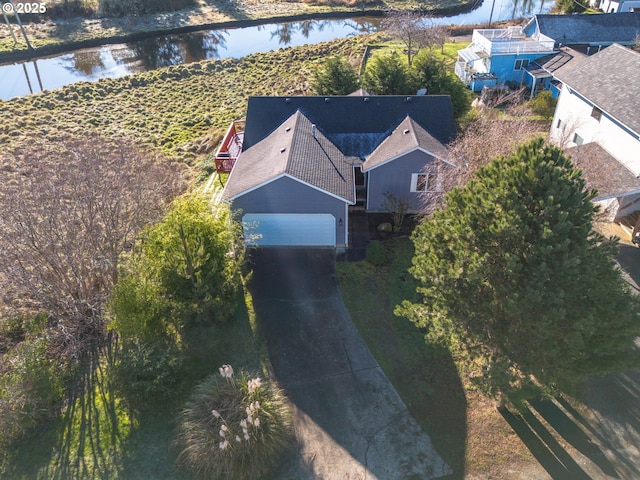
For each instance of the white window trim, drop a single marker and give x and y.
(414, 182)
(522, 64)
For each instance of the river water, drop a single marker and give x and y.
(23, 78)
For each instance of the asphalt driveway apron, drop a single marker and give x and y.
(350, 422)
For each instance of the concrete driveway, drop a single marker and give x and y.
(350, 422)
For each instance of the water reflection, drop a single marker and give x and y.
(149, 54)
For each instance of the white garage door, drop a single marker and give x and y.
(301, 229)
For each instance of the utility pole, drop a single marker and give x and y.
(6, 19)
(24, 34)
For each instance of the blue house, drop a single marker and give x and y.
(500, 55)
(309, 164)
(523, 55)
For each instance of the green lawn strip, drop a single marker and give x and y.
(97, 436)
(424, 376)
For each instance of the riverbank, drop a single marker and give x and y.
(60, 35)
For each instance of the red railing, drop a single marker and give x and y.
(230, 147)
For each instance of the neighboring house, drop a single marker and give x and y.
(508, 54)
(307, 163)
(616, 6)
(499, 55)
(541, 73)
(600, 103)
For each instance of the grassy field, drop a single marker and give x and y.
(181, 110)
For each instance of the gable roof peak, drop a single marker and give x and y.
(406, 137)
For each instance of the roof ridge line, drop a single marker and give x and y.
(294, 132)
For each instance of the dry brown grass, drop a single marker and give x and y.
(494, 450)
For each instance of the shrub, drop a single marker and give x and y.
(234, 427)
(144, 371)
(138, 309)
(543, 104)
(195, 254)
(376, 253)
(31, 387)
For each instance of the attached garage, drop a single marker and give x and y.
(289, 229)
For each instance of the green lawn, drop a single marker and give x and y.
(97, 436)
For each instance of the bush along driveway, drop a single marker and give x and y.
(349, 420)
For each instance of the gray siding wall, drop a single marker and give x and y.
(395, 177)
(290, 196)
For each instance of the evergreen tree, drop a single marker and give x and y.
(515, 282)
(389, 75)
(431, 73)
(336, 77)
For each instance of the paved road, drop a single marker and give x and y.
(349, 420)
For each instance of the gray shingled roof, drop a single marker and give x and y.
(603, 172)
(292, 149)
(586, 29)
(553, 64)
(609, 80)
(407, 136)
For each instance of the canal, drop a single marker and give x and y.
(32, 76)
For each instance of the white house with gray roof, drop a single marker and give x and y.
(307, 163)
(599, 102)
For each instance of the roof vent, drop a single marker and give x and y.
(408, 99)
(287, 100)
(366, 99)
(313, 130)
(326, 99)
(282, 150)
(406, 130)
(288, 129)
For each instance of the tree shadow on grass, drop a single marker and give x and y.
(543, 446)
(573, 434)
(85, 441)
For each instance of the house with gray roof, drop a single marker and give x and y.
(308, 163)
(588, 33)
(599, 103)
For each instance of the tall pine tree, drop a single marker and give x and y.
(513, 279)
(335, 77)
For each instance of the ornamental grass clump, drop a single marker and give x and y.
(234, 426)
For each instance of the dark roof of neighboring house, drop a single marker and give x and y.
(407, 136)
(355, 124)
(554, 63)
(593, 29)
(293, 149)
(609, 80)
(603, 172)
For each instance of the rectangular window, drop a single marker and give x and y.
(577, 139)
(424, 182)
(521, 64)
(596, 113)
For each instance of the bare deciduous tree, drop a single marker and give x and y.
(489, 135)
(67, 212)
(410, 28)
